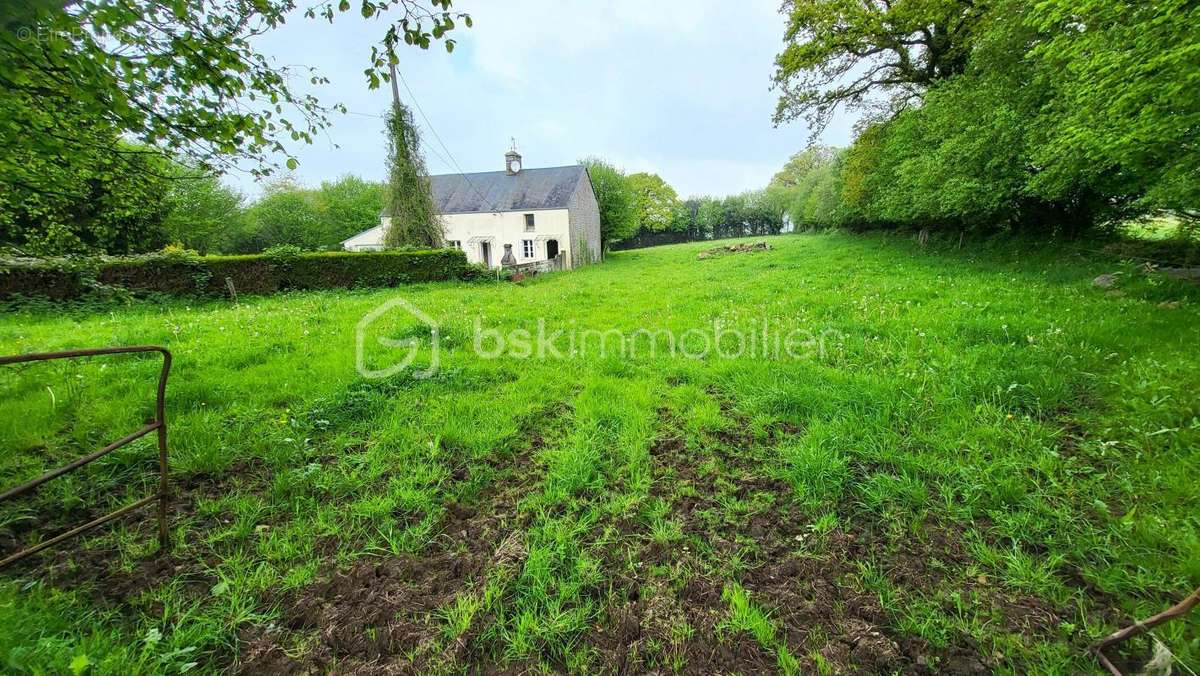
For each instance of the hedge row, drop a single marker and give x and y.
(189, 274)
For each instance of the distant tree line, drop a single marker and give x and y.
(314, 219)
(171, 205)
(1054, 116)
(642, 209)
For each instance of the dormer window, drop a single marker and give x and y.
(528, 222)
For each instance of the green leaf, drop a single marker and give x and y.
(80, 664)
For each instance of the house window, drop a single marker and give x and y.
(455, 244)
(527, 248)
(528, 222)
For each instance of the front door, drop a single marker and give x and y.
(551, 249)
(485, 253)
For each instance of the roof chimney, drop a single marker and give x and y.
(512, 160)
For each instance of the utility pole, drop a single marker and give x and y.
(395, 84)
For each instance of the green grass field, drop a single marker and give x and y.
(977, 462)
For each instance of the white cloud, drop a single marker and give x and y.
(676, 87)
(693, 178)
(521, 35)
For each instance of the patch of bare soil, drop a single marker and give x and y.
(811, 593)
(362, 617)
(744, 247)
(70, 565)
(653, 624)
(661, 628)
(377, 617)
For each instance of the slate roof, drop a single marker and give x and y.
(539, 188)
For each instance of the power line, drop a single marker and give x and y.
(441, 158)
(441, 142)
(453, 162)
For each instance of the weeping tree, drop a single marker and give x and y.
(415, 222)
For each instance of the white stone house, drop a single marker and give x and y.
(534, 214)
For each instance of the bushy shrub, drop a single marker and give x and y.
(282, 253)
(54, 278)
(185, 273)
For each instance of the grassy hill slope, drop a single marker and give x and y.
(936, 460)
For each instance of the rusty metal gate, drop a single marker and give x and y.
(158, 423)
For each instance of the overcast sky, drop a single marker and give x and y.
(676, 87)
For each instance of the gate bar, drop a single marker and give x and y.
(159, 423)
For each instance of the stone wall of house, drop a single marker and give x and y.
(585, 223)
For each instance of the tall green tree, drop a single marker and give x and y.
(618, 217)
(817, 202)
(1046, 116)
(1124, 110)
(654, 201)
(348, 206)
(683, 218)
(840, 53)
(801, 164)
(202, 213)
(414, 219)
(761, 214)
(284, 214)
(182, 80)
(808, 188)
(733, 217)
(112, 203)
(708, 216)
(183, 76)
